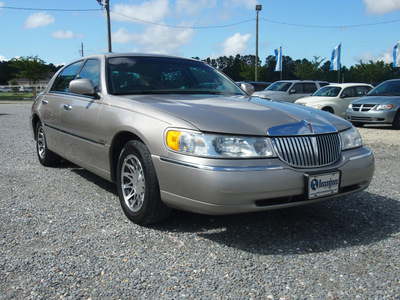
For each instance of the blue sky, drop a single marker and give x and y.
(54, 29)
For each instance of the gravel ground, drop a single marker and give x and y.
(63, 236)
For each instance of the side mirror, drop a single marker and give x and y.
(248, 88)
(343, 96)
(82, 86)
(292, 91)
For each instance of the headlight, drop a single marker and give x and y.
(317, 106)
(351, 139)
(215, 145)
(384, 107)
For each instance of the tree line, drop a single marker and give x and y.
(239, 68)
(242, 68)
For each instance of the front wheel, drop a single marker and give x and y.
(138, 188)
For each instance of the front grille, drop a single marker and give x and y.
(308, 151)
(362, 107)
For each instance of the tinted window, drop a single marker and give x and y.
(61, 84)
(145, 75)
(362, 90)
(387, 88)
(310, 88)
(349, 92)
(280, 86)
(91, 70)
(328, 91)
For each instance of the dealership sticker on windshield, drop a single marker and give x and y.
(323, 185)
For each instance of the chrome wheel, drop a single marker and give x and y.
(41, 143)
(133, 183)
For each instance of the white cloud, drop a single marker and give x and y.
(156, 39)
(65, 35)
(386, 56)
(3, 58)
(193, 7)
(39, 19)
(236, 44)
(249, 4)
(382, 6)
(150, 11)
(1, 4)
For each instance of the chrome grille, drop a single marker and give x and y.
(308, 151)
(362, 107)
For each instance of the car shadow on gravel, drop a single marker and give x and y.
(360, 219)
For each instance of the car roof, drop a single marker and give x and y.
(344, 85)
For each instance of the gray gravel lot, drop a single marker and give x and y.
(63, 235)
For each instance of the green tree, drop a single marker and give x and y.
(32, 68)
(308, 69)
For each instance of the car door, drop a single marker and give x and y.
(79, 119)
(301, 90)
(51, 105)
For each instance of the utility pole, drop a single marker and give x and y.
(106, 5)
(258, 9)
(81, 51)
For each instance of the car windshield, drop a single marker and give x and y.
(279, 86)
(158, 75)
(328, 91)
(387, 88)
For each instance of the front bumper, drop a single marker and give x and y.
(372, 116)
(236, 186)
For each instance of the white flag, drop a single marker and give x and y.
(278, 58)
(335, 60)
(396, 55)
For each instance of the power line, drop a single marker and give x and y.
(204, 27)
(50, 9)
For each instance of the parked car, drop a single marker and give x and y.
(290, 90)
(335, 98)
(258, 85)
(4, 89)
(176, 133)
(379, 106)
(25, 89)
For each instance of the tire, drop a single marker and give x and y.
(396, 121)
(328, 109)
(358, 124)
(46, 157)
(138, 188)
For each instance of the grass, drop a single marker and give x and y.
(16, 96)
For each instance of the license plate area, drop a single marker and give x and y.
(323, 185)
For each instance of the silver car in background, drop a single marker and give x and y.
(379, 106)
(176, 133)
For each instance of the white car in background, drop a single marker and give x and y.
(290, 90)
(335, 98)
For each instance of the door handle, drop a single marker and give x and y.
(67, 107)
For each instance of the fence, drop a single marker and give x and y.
(18, 92)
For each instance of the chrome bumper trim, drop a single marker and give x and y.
(369, 153)
(220, 168)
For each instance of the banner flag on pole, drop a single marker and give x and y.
(396, 55)
(278, 58)
(335, 60)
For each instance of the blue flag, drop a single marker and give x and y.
(396, 55)
(278, 58)
(335, 60)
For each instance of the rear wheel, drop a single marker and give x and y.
(138, 188)
(46, 157)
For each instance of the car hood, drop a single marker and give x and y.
(269, 94)
(313, 99)
(378, 100)
(243, 115)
